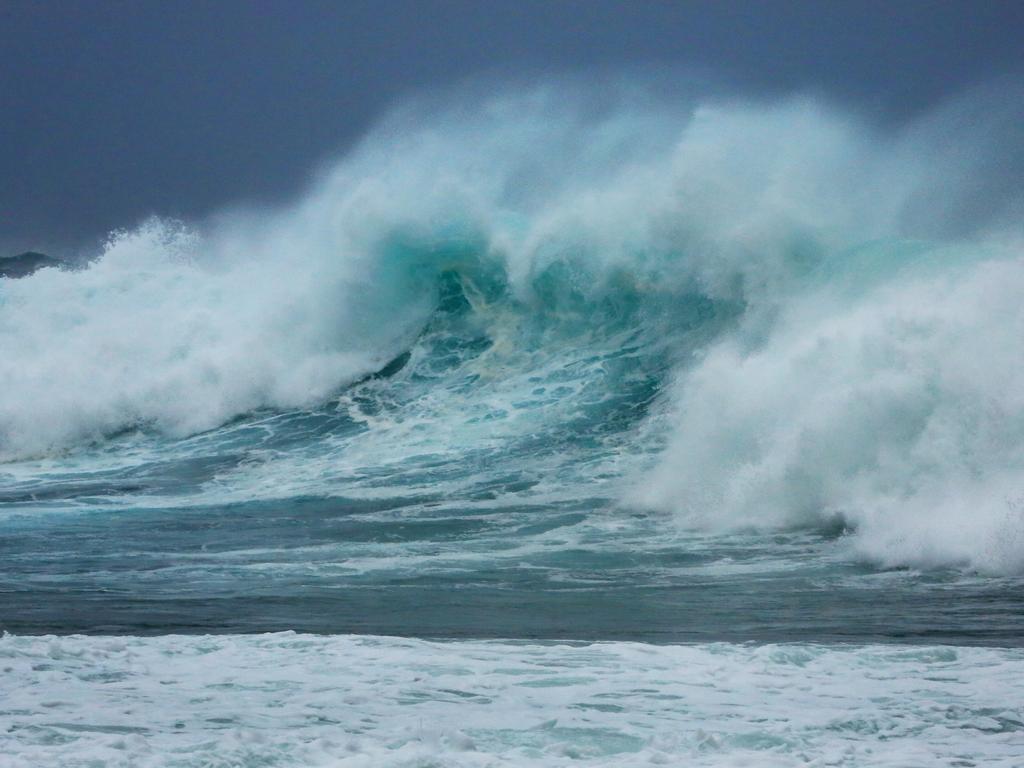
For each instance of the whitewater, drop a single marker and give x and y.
(551, 425)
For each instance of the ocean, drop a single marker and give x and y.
(538, 431)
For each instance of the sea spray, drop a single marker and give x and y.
(767, 305)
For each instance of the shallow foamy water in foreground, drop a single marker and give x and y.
(289, 699)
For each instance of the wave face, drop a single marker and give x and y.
(735, 315)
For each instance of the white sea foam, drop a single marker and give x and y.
(302, 700)
(899, 411)
(148, 335)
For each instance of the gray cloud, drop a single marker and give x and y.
(117, 110)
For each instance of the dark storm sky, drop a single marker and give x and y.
(114, 110)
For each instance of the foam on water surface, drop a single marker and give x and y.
(289, 700)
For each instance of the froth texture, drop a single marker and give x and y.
(287, 700)
(897, 411)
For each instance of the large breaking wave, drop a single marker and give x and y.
(785, 314)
